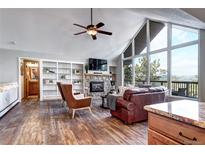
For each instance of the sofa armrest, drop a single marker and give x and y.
(125, 104)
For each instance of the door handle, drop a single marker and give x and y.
(191, 139)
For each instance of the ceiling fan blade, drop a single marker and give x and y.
(94, 37)
(80, 33)
(100, 24)
(80, 26)
(104, 32)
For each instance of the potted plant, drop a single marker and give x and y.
(86, 68)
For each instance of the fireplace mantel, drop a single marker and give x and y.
(92, 74)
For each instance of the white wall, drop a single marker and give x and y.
(9, 62)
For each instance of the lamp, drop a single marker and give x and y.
(92, 31)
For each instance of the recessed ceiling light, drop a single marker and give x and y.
(12, 42)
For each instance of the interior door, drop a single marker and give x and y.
(26, 79)
(28, 84)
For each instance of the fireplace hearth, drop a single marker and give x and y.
(96, 86)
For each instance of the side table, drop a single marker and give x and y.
(104, 101)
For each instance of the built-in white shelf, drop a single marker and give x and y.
(60, 71)
(77, 77)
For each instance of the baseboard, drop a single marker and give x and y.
(4, 111)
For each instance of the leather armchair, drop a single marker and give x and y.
(72, 102)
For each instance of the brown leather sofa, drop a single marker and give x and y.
(130, 107)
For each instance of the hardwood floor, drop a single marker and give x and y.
(34, 122)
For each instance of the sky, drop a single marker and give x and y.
(184, 60)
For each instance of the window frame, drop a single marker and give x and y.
(168, 49)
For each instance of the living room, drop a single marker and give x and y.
(95, 76)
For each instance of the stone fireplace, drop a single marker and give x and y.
(96, 86)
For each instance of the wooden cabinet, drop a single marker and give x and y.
(163, 130)
(33, 87)
(155, 138)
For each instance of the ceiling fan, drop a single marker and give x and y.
(91, 29)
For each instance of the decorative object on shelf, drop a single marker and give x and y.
(49, 71)
(76, 71)
(112, 83)
(77, 82)
(67, 76)
(62, 77)
(47, 81)
(86, 68)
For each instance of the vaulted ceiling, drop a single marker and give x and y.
(51, 30)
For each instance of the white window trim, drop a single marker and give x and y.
(148, 51)
(168, 49)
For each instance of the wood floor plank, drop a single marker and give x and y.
(49, 122)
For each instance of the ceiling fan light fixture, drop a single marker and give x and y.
(91, 31)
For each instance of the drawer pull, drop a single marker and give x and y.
(192, 139)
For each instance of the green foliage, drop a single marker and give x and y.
(86, 68)
(128, 73)
(141, 70)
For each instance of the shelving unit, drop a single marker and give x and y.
(77, 77)
(49, 78)
(64, 72)
(113, 73)
(60, 71)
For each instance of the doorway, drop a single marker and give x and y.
(30, 79)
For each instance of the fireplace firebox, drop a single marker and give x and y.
(96, 86)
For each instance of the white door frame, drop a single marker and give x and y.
(19, 72)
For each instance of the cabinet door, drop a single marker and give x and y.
(155, 138)
(176, 130)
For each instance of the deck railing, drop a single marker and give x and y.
(179, 88)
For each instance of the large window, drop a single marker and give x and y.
(185, 71)
(158, 35)
(170, 59)
(158, 69)
(140, 70)
(127, 66)
(140, 41)
(183, 35)
(128, 52)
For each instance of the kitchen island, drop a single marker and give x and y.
(177, 122)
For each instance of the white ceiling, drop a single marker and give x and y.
(51, 30)
(198, 13)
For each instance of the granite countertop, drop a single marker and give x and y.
(187, 111)
(7, 86)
